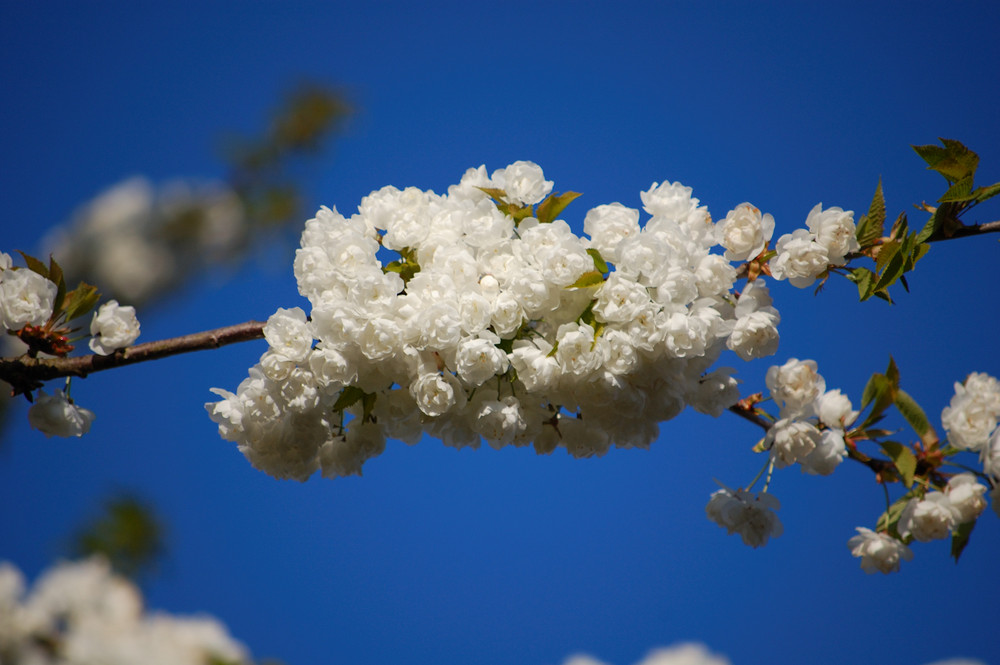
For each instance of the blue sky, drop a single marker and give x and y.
(443, 556)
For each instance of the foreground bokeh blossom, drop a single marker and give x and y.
(81, 612)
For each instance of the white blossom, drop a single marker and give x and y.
(523, 182)
(113, 327)
(791, 441)
(929, 518)
(800, 259)
(879, 552)
(57, 415)
(25, 298)
(966, 496)
(834, 231)
(795, 386)
(750, 515)
(745, 232)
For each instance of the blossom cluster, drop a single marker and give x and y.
(806, 406)
(497, 322)
(809, 431)
(81, 612)
(28, 301)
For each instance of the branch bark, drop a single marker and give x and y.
(24, 373)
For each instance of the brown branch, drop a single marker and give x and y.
(25, 373)
(876, 465)
(965, 231)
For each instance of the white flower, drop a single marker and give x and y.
(834, 410)
(827, 455)
(800, 259)
(113, 327)
(929, 518)
(878, 551)
(991, 455)
(288, 333)
(834, 230)
(745, 232)
(478, 360)
(795, 385)
(524, 183)
(971, 417)
(25, 298)
(437, 393)
(791, 441)
(57, 415)
(577, 352)
(499, 422)
(670, 200)
(608, 225)
(750, 515)
(754, 336)
(966, 496)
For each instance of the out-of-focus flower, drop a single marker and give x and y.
(57, 415)
(750, 515)
(878, 551)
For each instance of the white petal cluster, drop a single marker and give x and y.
(26, 298)
(878, 552)
(813, 420)
(744, 232)
(81, 612)
(971, 417)
(113, 327)
(688, 653)
(438, 314)
(804, 254)
(934, 515)
(57, 415)
(748, 514)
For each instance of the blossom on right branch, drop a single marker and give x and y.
(878, 551)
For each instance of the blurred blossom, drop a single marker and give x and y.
(81, 612)
(136, 240)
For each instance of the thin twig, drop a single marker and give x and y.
(25, 373)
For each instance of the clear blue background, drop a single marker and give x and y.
(495, 558)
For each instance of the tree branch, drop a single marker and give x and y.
(25, 374)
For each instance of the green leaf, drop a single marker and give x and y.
(879, 393)
(903, 458)
(954, 161)
(871, 226)
(80, 300)
(916, 417)
(893, 271)
(496, 194)
(960, 191)
(599, 263)
(591, 278)
(34, 265)
(550, 208)
(888, 520)
(56, 275)
(892, 374)
(864, 278)
(349, 396)
(933, 225)
(984, 193)
(960, 538)
(885, 254)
